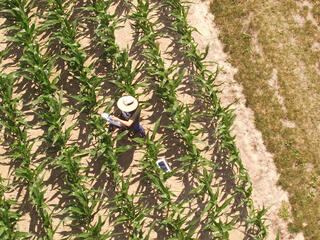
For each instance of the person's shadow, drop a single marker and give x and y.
(125, 158)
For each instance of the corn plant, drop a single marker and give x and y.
(13, 121)
(256, 224)
(83, 207)
(38, 200)
(53, 119)
(131, 216)
(94, 232)
(176, 220)
(106, 147)
(124, 75)
(20, 10)
(106, 24)
(8, 218)
(214, 211)
(151, 172)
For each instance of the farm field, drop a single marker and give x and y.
(65, 176)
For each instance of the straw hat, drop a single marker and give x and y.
(127, 103)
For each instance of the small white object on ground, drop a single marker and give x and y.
(162, 164)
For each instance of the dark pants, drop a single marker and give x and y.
(136, 127)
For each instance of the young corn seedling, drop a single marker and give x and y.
(38, 200)
(257, 224)
(129, 215)
(54, 119)
(105, 31)
(19, 11)
(214, 210)
(94, 232)
(124, 75)
(9, 218)
(82, 209)
(13, 121)
(177, 221)
(141, 15)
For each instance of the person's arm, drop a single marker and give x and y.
(124, 122)
(132, 119)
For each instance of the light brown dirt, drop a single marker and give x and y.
(254, 155)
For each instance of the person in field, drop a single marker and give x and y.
(129, 117)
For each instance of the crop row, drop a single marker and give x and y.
(35, 68)
(223, 116)
(8, 111)
(124, 211)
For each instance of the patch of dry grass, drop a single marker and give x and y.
(275, 45)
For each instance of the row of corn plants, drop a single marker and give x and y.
(8, 217)
(224, 116)
(20, 151)
(36, 68)
(170, 215)
(173, 214)
(125, 212)
(166, 85)
(121, 75)
(64, 33)
(84, 205)
(58, 18)
(167, 81)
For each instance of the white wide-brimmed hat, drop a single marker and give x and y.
(127, 103)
